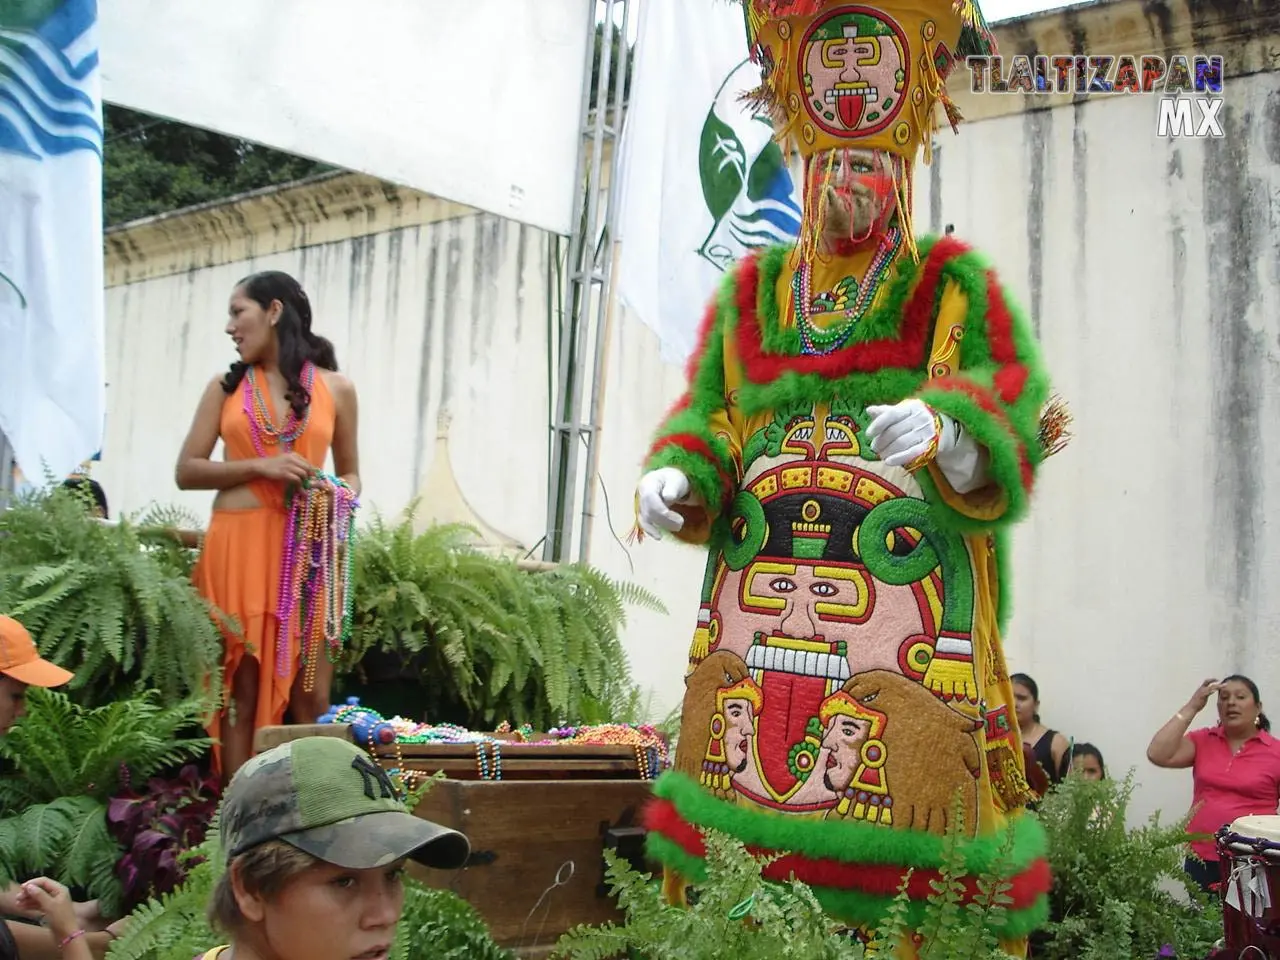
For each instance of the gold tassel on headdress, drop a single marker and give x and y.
(1054, 423)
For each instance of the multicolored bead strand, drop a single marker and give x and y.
(817, 341)
(262, 429)
(652, 751)
(317, 562)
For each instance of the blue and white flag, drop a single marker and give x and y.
(703, 181)
(52, 394)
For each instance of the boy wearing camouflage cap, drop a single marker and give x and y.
(315, 840)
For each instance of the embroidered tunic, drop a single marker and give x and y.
(847, 700)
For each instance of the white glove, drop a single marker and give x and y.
(657, 491)
(907, 434)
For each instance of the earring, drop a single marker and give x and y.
(1257, 721)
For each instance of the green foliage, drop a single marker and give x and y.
(65, 839)
(152, 166)
(952, 929)
(1111, 884)
(175, 925)
(112, 601)
(62, 749)
(68, 762)
(440, 925)
(490, 641)
(738, 915)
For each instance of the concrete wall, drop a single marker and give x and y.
(1152, 268)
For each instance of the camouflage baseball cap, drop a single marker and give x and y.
(329, 798)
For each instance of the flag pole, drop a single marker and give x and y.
(601, 380)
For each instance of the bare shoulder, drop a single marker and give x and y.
(214, 387)
(339, 384)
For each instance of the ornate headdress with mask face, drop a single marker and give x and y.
(868, 76)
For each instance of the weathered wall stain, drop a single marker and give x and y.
(1036, 125)
(422, 429)
(1080, 210)
(1237, 352)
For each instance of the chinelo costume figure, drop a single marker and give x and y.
(865, 415)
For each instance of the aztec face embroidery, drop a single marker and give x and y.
(854, 70)
(821, 681)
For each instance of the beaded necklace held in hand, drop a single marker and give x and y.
(816, 340)
(321, 523)
(316, 570)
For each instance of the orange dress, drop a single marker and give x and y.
(239, 566)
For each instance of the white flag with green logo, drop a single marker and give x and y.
(703, 182)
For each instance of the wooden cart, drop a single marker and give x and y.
(537, 834)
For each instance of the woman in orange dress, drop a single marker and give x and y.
(278, 411)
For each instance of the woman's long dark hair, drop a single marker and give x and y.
(1263, 722)
(1032, 688)
(296, 343)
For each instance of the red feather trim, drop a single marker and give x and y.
(694, 444)
(999, 323)
(1009, 381)
(661, 816)
(909, 350)
(704, 336)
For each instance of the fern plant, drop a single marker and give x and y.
(110, 601)
(489, 640)
(737, 914)
(68, 762)
(1111, 884)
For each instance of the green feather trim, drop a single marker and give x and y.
(881, 322)
(703, 476)
(706, 399)
(858, 389)
(969, 272)
(849, 906)
(847, 840)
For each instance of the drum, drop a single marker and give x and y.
(1249, 857)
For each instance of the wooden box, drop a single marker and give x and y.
(537, 834)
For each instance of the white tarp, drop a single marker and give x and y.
(476, 101)
(52, 394)
(721, 185)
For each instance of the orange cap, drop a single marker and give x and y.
(20, 659)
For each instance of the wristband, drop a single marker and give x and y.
(74, 935)
(1182, 718)
(931, 451)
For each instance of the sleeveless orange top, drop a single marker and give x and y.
(312, 445)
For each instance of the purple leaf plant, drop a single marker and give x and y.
(156, 825)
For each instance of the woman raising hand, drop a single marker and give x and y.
(1235, 764)
(279, 411)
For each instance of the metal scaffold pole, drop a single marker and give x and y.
(583, 336)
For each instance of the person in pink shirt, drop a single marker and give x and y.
(1235, 765)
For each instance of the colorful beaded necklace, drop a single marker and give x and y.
(262, 428)
(816, 340)
(316, 570)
